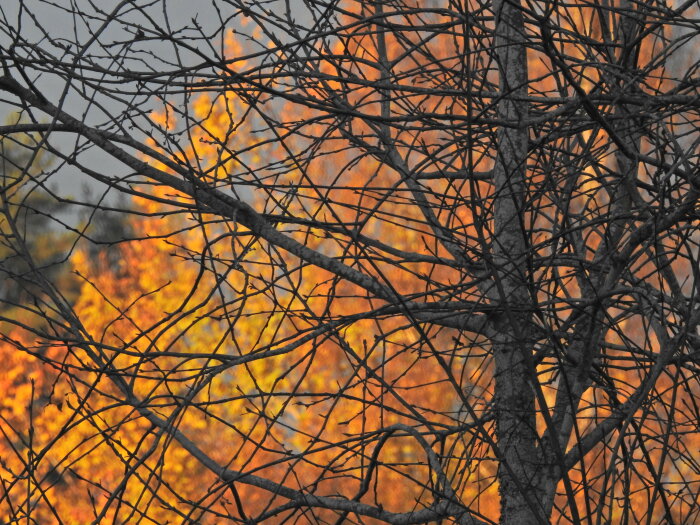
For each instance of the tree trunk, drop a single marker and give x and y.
(515, 400)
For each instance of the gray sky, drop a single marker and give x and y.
(35, 19)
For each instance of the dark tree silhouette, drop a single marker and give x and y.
(382, 261)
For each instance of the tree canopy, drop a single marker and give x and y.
(350, 262)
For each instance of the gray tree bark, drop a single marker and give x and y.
(515, 400)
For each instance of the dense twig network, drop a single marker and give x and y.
(350, 262)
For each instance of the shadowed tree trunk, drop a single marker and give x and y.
(515, 375)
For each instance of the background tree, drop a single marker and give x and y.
(389, 261)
